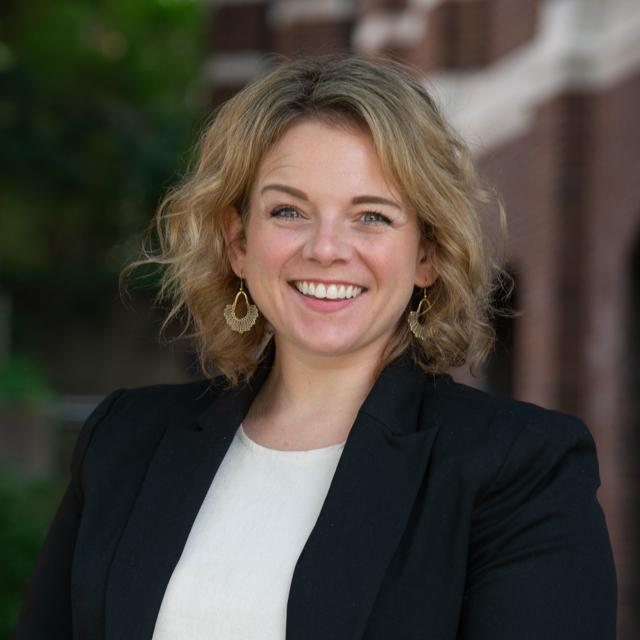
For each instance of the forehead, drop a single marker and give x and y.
(341, 156)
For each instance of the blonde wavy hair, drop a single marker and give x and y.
(425, 158)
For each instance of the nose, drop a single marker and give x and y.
(327, 242)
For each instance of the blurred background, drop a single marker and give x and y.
(100, 106)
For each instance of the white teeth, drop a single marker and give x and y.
(330, 292)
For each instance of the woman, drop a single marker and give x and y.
(333, 482)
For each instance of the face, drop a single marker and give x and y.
(331, 254)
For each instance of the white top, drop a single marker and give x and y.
(233, 578)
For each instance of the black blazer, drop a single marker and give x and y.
(452, 514)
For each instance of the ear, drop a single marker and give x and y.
(426, 274)
(234, 240)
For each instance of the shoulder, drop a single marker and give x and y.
(160, 402)
(527, 479)
(156, 405)
(133, 420)
(501, 417)
(501, 438)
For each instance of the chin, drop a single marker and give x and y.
(328, 349)
(333, 348)
(324, 347)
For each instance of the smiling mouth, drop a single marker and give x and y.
(322, 291)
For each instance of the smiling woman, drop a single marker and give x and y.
(422, 174)
(333, 481)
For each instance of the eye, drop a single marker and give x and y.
(375, 217)
(285, 211)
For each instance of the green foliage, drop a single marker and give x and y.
(98, 103)
(21, 381)
(27, 509)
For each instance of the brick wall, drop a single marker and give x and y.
(571, 190)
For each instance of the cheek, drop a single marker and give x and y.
(396, 271)
(395, 260)
(267, 253)
(266, 257)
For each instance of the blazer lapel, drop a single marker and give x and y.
(336, 578)
(380, 472)
(168, 502)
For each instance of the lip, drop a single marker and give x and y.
(324, 305)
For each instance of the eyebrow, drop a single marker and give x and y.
(303, 196)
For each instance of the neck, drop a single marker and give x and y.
(314, 391)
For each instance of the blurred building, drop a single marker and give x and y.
(547, 93)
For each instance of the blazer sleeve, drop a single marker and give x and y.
(46, 608)
(540, 562)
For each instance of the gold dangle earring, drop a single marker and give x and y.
(418, 328)
(240, 325)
